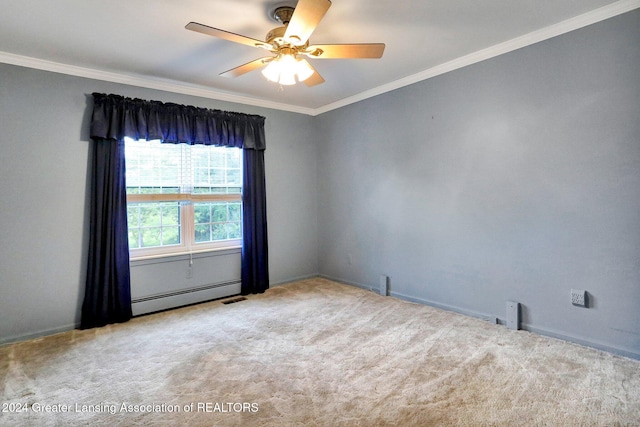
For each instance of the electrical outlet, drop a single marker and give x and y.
(578, 297)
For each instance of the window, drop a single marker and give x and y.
(182, 198)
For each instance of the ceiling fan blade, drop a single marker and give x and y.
(315, 78)
(331, 51)
(305, 19)
(226, 35)
(245, 68)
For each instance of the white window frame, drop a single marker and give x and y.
(187, 244)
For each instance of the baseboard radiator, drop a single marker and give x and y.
(182, 297)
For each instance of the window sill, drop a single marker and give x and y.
(177, 256)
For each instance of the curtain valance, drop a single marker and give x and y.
(116, 117)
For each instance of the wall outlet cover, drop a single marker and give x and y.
(579, 297)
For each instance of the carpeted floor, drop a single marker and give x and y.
(313, 353)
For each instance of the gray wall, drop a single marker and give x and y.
(44, 148)
(517, 178)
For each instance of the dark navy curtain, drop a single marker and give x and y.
(255, 274)
(108, 295)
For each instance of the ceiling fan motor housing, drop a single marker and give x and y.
(276, 38)
(282, 14)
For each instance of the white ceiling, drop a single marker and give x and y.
(143, 42)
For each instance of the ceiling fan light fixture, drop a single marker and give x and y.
(285, 68)
(287, 77)
(272, 70)
(303, 70)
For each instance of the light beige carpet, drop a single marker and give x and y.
(313, 353)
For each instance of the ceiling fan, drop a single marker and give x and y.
(290, 42)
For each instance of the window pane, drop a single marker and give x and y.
(150, 215)
(170, 236)
(216, 221)
(219, 212)
(216, 170)
(154, 168)
(153, 224)
(234, 177)
(133, 215)
(216, 177)
(233, 159)
(133, 238)
(201, 177)
(220, 232)
(202, 213)
(203, 233)
(234, 230)
(149, 237)
(216, 161)
(235, 211)
(170, 214)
